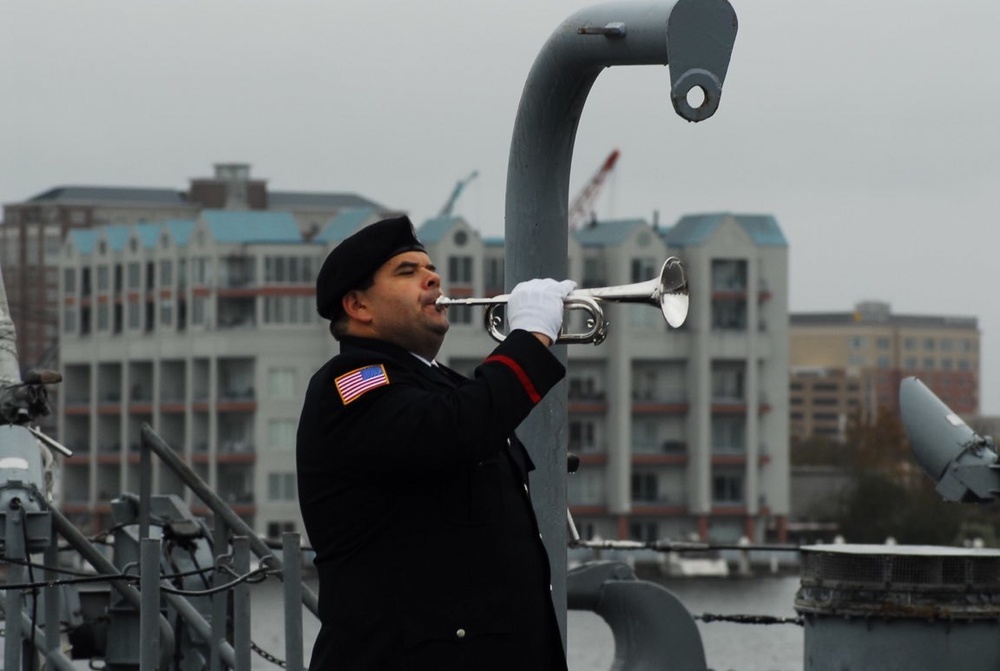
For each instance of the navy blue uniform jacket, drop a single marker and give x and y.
(413, 490)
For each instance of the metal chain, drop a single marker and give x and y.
(750, 619)
(266, 655)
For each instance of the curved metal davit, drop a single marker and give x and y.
(892, 607)
(695, 37)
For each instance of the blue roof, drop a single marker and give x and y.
(117, 235)
(344, 224)
(180, 230)
(435, 228)
(148, 234)
(694, 230)
(607, 233)
(251, 226)
(84, 239)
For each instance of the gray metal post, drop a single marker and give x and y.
(14, 550)
(220, 600)
(145, 488)
(241, 603)
(149, 612)
(536, 237)
(51, 593)
(291, 548)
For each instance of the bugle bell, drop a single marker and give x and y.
(669, 292)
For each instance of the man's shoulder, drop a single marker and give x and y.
(358, 370)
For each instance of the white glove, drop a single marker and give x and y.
(537, 306)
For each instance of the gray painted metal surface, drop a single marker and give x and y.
(917, 608)
(963, 463)
(152, 441)
(701, 38)
(291, 554)
(653, 630)
(149, 587)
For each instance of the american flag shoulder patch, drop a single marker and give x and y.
(354, 384)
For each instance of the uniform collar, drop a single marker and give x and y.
(355, 344)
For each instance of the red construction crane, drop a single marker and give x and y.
(580, 208)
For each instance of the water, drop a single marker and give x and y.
(728, 646)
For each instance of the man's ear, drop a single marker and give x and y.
(356, 307)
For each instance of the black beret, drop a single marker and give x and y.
(358, 257)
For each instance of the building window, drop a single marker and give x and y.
(281, 487)
(729, 275)
(593, 273)
(198, 310)
(53, 246)
(281, 434)
(582, 436)
(882, 342)
(460, 314)
(166, 274)
(946, 345)
(103, 317)
(166, 313)
(69, 281)
(460, 270)
(645, 487)
(290, 310)
(134, 316)
(729, 314)
(134, 276)
(858, 342)
(727, 383)
(69, 320)
(929, 344)
(644, 437)
(727, 488)
(281, 383)
(910, 343)
(584, 389)
(103, 278)
(728, 435)
(494, 275)
(201, 271)
(643, 269)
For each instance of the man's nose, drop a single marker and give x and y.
(432, 279)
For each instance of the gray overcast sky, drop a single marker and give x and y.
(870, 129)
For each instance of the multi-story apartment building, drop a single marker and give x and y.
(844, 362)
(206, 329)
(32, 233)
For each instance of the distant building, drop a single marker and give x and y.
(32, 233)
(842, 362)
(205, 328)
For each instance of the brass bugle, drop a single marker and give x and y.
(669, 292)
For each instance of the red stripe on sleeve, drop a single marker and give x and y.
(521, 375)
